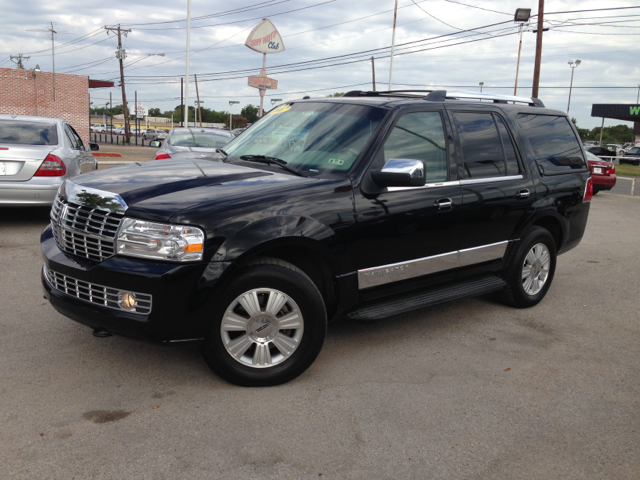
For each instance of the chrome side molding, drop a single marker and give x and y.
(395, 272)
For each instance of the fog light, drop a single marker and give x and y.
(126, 300)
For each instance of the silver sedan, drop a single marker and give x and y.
(191, 141)
(36, 155)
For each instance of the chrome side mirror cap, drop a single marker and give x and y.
(401, 172)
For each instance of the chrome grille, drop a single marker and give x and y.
(85, 231)
(96, 294)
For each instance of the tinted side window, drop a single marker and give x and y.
(76, 137)
(420, 136)
(555, 146)
(481, 145)
(509, 151)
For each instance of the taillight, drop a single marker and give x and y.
(51, 167)
(162, 156)
(612, 169)
(588, 190)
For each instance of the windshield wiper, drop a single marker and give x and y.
(219, 150)
(271, 161)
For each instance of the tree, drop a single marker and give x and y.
(337, 94)
(154, 112)
(250, 113)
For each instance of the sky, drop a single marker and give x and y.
(450, 44)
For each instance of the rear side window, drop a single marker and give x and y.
(554, 144)
(486, 145)
(28, 133)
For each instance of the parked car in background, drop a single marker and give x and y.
(185, 141)
(631, 157)
(614, 147)
(237, 131)
(37, 154)
(153, 134)
(119, 130)
(590, 143)
(601, 152)
(603, 173)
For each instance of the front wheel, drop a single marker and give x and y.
(268, 327)
(530, 269)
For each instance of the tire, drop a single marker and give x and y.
(247, 345)
(536, 255)
(596, 190)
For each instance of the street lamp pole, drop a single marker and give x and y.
(276, 100)
(522, 16)
(573, 66)
(481, 85)
(638, 97)
(186, 87)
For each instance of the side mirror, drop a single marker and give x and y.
(94, 147)
(400, 172)
(155, 143)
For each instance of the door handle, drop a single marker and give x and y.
(523, 193)
(444, 203)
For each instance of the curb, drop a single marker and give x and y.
(106, 154)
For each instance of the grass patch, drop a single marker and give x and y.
(628, 170)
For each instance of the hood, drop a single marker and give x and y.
(156, 190)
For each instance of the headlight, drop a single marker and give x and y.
(139, 238)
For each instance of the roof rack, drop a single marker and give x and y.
(442, 95)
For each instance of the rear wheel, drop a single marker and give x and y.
(530, 269)
(268, 327)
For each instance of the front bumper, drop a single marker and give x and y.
(180, 293)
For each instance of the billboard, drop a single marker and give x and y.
(263, 82)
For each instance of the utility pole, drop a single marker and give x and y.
(536, 70)
(393, 41)
(373, 73)
(121, 55)
(53, 59)
(198, 98)
(515, 89)
(181, 102)
(17, 59)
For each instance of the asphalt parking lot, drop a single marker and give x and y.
(470, 389)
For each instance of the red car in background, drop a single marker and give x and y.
(603, 173)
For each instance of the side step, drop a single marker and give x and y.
(406, 303)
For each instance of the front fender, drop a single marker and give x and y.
(282, 230)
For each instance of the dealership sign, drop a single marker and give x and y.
(265, 38)
(141, 110)
(263, 82)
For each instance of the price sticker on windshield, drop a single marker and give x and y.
(281, 109)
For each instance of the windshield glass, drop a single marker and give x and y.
(198, 140)
(311, 137)
(634, 150)
(28, 133)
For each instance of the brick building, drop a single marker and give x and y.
(27, 92)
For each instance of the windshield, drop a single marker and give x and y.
(198, 140)
(311, 137)
(28, 133)
(634, 150)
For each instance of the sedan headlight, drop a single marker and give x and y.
(176, 243)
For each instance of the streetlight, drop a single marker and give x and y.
(106, 122)
(481, 84)
(573, 66)
(522, 16)
(638, 98)
(276, 100)
(231, 104)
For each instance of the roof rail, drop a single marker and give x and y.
(442, 95)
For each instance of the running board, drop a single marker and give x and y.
(408, 303)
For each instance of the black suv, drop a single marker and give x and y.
(363, 206)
